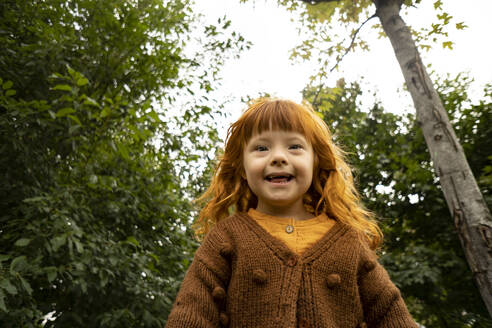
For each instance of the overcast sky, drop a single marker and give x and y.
(266, 66)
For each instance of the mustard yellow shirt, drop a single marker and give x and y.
(298, 235)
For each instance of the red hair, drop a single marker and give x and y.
(332, 190)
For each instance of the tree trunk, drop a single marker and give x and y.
(465, 202)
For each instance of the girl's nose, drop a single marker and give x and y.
(278, 157)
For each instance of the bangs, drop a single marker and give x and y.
(276, 115)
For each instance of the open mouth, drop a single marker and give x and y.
(279, 178)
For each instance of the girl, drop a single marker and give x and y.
(298, 250)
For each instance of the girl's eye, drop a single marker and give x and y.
(261, 148)
(295, 147)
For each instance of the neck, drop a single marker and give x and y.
(298, 212)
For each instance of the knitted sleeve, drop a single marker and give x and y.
(382, 303)
(200, 300)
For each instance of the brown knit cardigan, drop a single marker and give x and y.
(241, 276)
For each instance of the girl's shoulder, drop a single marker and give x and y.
(229, 224)
(354, 235)
(225, 229)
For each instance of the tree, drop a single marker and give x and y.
(393, 169)
(93, 209)
(465, 202)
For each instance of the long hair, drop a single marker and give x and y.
(332, 190)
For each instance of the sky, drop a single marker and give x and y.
(266, 66)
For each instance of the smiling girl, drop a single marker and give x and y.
(278, 166)
(298, 249)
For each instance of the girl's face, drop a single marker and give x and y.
(279, 169)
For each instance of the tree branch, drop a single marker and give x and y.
(342, 56)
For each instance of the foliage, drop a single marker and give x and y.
(422, 251)
(113, 43)
(331, 29)
(92, 206)
(472, 127)
(89, 213)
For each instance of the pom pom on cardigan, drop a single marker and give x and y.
(226, 250)
(259, 276)
(333, 280)
(369, 265)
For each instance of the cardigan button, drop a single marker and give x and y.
(289, 229)
(292, 261)
(219, 294)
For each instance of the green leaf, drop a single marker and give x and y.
(154, 116)
(56, 76)
(155, 257)
(22, 242)
(4, 257)
(2, 301)
(103, 278)
(34, 199)
(83, 286)
(425, 47)
(73, 128)
(10, 93)
(75, 119)
(65, 111)
(461, 26)
(7, 85)
(62, 87)
(71, 71)
(58, 242)
(105, 112)
(448, 44)
(51, 272)
(82, 81)
(132, 240)
(26, 285)
(91, 102)
(78, 245)
(445, 17)
(7, 286)
(123, 151)
(18, 264)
